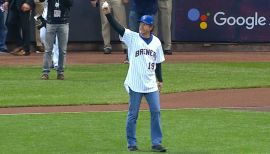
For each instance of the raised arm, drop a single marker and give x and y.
(116, 26)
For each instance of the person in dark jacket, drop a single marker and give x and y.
(57, 25)
(18, 23)
(139, 8)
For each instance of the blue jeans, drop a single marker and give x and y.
(55, 51)
(3, 31)
(134, 106)
(61, 31)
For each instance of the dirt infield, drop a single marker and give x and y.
(118, 57)
(251, 99)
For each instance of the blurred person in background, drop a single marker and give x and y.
(119, 12)
(38, 11)
(18, 23)
(3, 28)
(165, 16)
(57, 25)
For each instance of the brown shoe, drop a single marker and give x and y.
(40, 49)
(60, 77)
(45, 77)
(21, 53)
(17, 49)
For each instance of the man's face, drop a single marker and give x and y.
(145, 29)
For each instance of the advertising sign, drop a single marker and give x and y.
(221, 21)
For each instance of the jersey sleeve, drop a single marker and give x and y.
(127, 37)
(160, 55)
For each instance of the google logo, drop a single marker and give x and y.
(194, 15)
(225, 19)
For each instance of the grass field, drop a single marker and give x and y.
(188, 131)
(103, 84)
(185, 131)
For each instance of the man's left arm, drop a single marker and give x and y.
(159, 76)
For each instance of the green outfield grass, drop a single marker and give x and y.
(185, 131)
(103, 84)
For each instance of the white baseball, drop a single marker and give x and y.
(105, 5)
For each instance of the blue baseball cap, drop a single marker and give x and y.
(147, 19)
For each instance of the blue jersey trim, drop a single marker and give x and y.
(147, 40)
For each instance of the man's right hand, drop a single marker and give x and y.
(106, 8)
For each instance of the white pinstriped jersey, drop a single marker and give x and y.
(143, 57)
